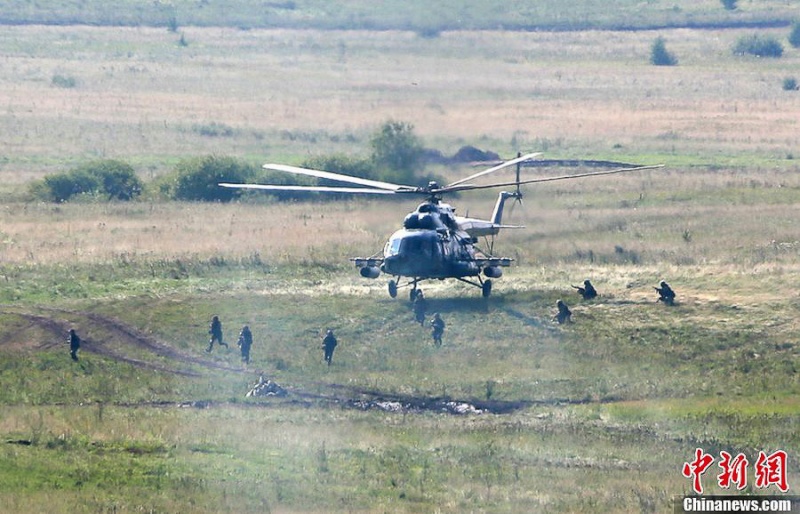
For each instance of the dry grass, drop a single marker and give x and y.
(665, 217)
(138, 93)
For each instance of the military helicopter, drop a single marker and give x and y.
(434, 243)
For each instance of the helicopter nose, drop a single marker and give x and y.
(391, 264)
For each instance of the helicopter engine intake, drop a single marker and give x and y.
(493, 271)
(370, 272)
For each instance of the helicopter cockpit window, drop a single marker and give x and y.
(393, 247)
(418, 246)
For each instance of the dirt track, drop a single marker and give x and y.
(118, 342)
(46, 328)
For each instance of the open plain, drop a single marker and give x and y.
(513, 413)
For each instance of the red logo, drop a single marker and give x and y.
(769, 470)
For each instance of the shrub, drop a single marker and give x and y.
(214, 129)
(790, 84)
(198, 179)
(794, 35)
(114, 179)
(63, 82)
(729, 5)
(63, 186)
(119, 180)
(397, 152)
(343, 164)
(659, 55)
(760, 46)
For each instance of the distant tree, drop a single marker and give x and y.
(397, 151)
(114, 179)
(660, 56)
(729, 5)
(198, 179)
(118, 179)
(61, 187)
(760, 46)
(794, 36)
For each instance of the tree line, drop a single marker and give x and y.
(396, 156)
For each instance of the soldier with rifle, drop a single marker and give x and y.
(587, 291)
(665, 294)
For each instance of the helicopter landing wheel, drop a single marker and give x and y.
(486, 288)
(393, 289)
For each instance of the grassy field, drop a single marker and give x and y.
(425, 18)
(513, 413)
(73, 94)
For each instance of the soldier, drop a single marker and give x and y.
(420, 306)
(564, 314)
(587, 291)
(74, 344)
(437, 329)
(665, 294)
(329, 344)
(244, 343)
(216, 334)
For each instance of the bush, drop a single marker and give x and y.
(794, 36)
(760, 46)
(114, 179)
(659, 55)
(117, 179)
(63, 82)
(790, 84)
(343, 164)
(397, 152)
(198, 179)
(729, 5)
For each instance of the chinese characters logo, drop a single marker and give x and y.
(768, 470)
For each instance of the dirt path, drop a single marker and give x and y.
(43, 328)
(117, 337)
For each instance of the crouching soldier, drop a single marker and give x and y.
(587, 291)
(665, 294)
(244, 343)
(437, 329)
(564, 315)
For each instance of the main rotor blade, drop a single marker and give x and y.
(309, 189)
(337, 176)
(469, 187)
(496, 168)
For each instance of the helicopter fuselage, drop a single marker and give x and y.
(429, 253)
(433, 244)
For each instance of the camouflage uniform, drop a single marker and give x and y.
(564, 314)
(665, 294)
(437, 329)
(587, 291)
(74, 344)
(329, 344)
(420, 306)
(216, 333)
(244, 343)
